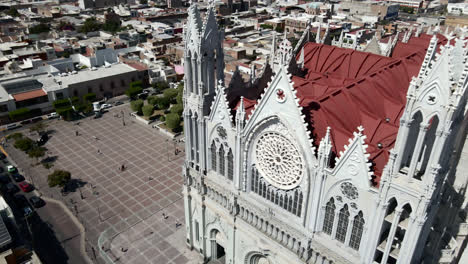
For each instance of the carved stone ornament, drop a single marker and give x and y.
(221, 132)
(349, 190)
(279, 161)
(280, 95)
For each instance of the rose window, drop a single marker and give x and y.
(279, 161)
(349, 190)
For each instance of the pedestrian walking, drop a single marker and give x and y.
(99, 151)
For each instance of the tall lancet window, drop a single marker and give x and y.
(329, 217)
(230, 172)
(343, 219)
(356, 233)
(213, 156)
(221, 160)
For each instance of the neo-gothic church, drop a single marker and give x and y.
(328, 155)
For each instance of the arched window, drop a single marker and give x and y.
(329, 217)
(221, 160)
(342, 228)
(230, 165)
(285, 205)
(281, 201)
(356, 233)
(213, 156)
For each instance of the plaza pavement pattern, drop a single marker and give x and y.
(150, 185)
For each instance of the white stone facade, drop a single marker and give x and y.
(257, 190)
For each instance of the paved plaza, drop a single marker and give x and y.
(149, 186)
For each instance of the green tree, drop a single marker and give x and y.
(148, 110)
(171, 94)
(111, 26)
(152, 100)
(38, 127)
(89, 97)
(137, 106)
(173, 121)
(19, 114)
(143, 2)
(58, 178)
(15, 136)
(160, 86)
(163, 102)
(13, 12)
(24, 144)
(90, 25)
(41, 28)
(177, 109)
(36, 152)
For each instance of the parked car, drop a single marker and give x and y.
(52, 115)
(25, 186)
(11, 169)
(21, 201)
(13, 126)
(118, 103)
(4, 179)
(25, 122)
(27, 211)
(105, 106)
(17, 177)
(11, 188)
(2, 156)
(37, 119)
(36, 202)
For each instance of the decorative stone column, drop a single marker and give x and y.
(391, 235)
(417, 150)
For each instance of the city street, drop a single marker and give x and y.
(150, 183)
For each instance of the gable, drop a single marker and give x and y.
(353, 163)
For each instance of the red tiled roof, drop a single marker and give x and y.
(344, 89)
(28, 95)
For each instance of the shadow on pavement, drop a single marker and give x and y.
(45, 242)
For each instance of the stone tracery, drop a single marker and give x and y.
(279, 161)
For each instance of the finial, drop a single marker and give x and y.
(360, 129)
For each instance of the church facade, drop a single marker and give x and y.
(328, 155)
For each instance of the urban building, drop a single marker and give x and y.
(327, 154)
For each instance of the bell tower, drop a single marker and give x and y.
(412, 181)
(203, 67)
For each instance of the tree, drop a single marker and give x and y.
(152, 100)
(58, 178)
(24, 144)
(177, 109)
(19, 114)
(162, 86)
(89, 97)
(36, 152)
(143, 2)
(135, 89)
(90, 25)
(171, 94)
(13, 12)
(173, 121)
(39, 127)
(38, 29)
(111, 26)
(148, 110)
(137, 105)
(163, 102)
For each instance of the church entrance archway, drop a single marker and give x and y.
(218, 251)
